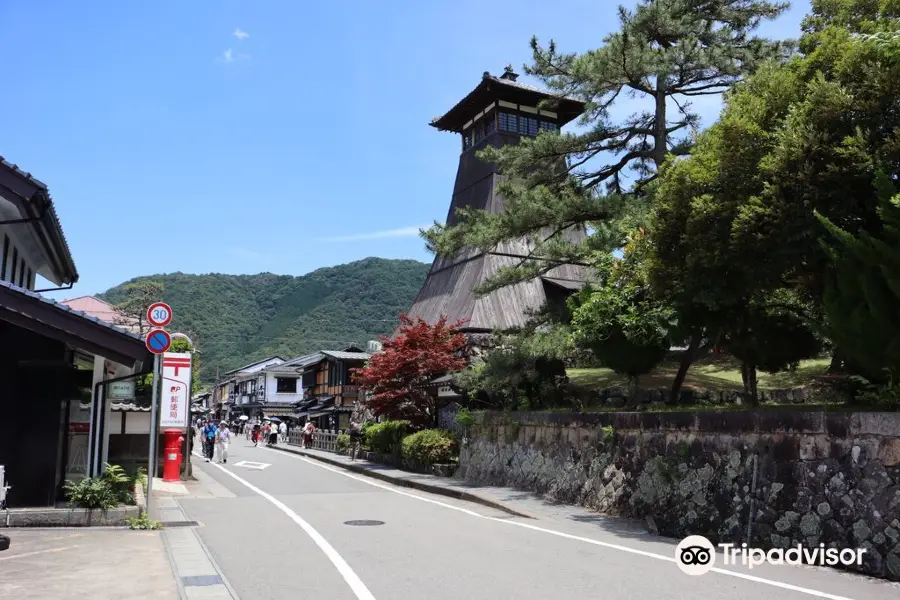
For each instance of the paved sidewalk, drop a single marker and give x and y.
(500, 498)
(100, 563)
(196, 572)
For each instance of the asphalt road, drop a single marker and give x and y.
(286, 530)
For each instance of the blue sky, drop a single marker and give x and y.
(236, 136)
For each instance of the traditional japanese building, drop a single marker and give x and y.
(499, 111)
(57, 364)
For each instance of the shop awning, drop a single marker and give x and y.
(278, 413)
(43, 316)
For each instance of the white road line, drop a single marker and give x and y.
(36, 552)
(349, 575)
(368, 481)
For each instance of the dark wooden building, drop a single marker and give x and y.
(330, 393)
(499, 111)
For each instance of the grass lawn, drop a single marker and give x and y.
(712, 372)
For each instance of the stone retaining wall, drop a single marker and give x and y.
(619, 396)
(831, 477)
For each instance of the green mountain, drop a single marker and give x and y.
(236, 319)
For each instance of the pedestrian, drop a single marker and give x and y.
(309, 431)
(223, 438)
(355, 432)
(209, 440)
(282, 430)
(254, 434)
(273, 434)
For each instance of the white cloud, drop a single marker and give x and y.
(377, 235)
(240, 34)
(230, 56)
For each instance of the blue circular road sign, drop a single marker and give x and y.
(158, 341)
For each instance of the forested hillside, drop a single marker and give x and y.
(235, 319)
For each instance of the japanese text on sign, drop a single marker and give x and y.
(176, 388)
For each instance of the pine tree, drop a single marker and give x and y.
(665, 53)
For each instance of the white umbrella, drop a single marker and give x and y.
(244, 418)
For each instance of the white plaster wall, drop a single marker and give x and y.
(137, 422)
(272, 396)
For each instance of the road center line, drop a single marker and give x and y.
(368, 481)
(349, 575)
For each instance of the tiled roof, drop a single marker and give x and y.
(341, 355)
(68, 309)
(295, 364)
(253, 364)
(95, 307)
(568, 107)
(53, 216)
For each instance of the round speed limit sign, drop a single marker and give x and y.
(159, 314)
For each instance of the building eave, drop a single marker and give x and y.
(33, 200)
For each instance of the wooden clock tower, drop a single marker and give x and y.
(499, 111)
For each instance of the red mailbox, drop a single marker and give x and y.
(172, 459)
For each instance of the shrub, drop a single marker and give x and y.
(142, 522)
(342, 442)
(91, 493)
(464, 418)
(120, 483)
(430, 446)
(385, 437)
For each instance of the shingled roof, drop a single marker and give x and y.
(505, 87)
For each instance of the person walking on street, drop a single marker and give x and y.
(309, 431)
(254, 434)
(355, 432)
(223, 438)
(273, 434)
(282, 431)
(209, 440)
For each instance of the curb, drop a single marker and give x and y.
(417, 485)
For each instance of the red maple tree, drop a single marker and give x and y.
(416, 355)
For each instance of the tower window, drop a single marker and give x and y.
(549, 126)
(528, 126)
(479, 132)
(490, 125)
(467, 139)
(508, 122)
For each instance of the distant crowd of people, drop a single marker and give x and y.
(216, 437)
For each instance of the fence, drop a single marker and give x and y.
(323, 439)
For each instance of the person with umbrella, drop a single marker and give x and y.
(273, 431)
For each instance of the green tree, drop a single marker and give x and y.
(621, 321)
(766, 336)
(735, 226)
(182, 345)
(136, 298)
(664, 53)
(863, 290)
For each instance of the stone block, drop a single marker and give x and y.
(727, 422)
(69, 517)
(875, 423)
(889, 451)
(678, 420)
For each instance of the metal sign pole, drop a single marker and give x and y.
(154, 430)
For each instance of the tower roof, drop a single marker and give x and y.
(505, 87)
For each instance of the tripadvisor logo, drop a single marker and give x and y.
(696, 555)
